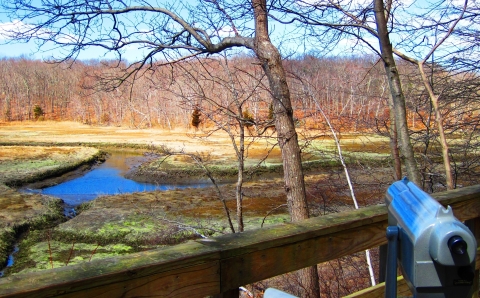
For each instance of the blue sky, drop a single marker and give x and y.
(30, 49)
(9, 49)
(13, 49)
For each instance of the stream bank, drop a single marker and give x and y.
(20, 213)
(118, 224)
(126, 223)
(19, 165)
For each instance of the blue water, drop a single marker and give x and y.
(10, 260)
(107, 179)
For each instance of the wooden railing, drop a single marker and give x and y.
(218, 266)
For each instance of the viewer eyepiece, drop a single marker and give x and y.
(457, 245)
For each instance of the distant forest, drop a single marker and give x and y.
(352, 92)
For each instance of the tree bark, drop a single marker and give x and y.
(271, 62)
(240, 151)
(441, 132)
(397, 164)
(396, 90)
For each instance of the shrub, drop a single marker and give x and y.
(196, 118)
(38, 112)
(248, 117)
(271, 115)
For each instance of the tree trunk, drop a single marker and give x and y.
(270, 59)
(241, 168)
(441, 132)
(397, 164)
(398, 97)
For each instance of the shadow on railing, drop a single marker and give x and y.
(220, 265)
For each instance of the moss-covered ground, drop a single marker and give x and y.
(21, 212)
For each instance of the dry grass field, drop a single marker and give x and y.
(188, 140)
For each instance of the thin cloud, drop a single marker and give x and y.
(226, 32)
(8, 29)
(17, 29)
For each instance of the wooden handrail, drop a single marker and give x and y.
(217, 265)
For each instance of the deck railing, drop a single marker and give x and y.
(219, 266)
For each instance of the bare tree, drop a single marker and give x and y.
(310, 91)
(396, 91)
(221, 93)
(434, 98)
(173, 32)
(331, 21)
(435, 33)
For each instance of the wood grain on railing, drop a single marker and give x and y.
(217, 265)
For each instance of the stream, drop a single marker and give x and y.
(10, 259)
(105, 179)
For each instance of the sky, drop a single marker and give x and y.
(13, 49)
(30, 50)
(8, 48)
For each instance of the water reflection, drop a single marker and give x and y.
(107, 179)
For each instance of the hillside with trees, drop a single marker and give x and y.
(351, 91)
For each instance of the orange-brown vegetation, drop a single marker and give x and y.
(351, 92)
(167, 97)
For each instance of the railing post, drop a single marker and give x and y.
(392, 253)
(475, 285)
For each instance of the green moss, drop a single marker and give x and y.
(38, 250)
(84, 206)
(43, 255)
(256, 222)
(27, 171)
(135, 230)
(52, 215)
(7, 237)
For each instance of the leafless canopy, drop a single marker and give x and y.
(159, 33)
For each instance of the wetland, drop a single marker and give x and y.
(42, 156)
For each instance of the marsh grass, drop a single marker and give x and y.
(40, 250)
(20, 165)
(121, 224)
(50, 215)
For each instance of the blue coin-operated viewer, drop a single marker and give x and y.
(436, 251)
